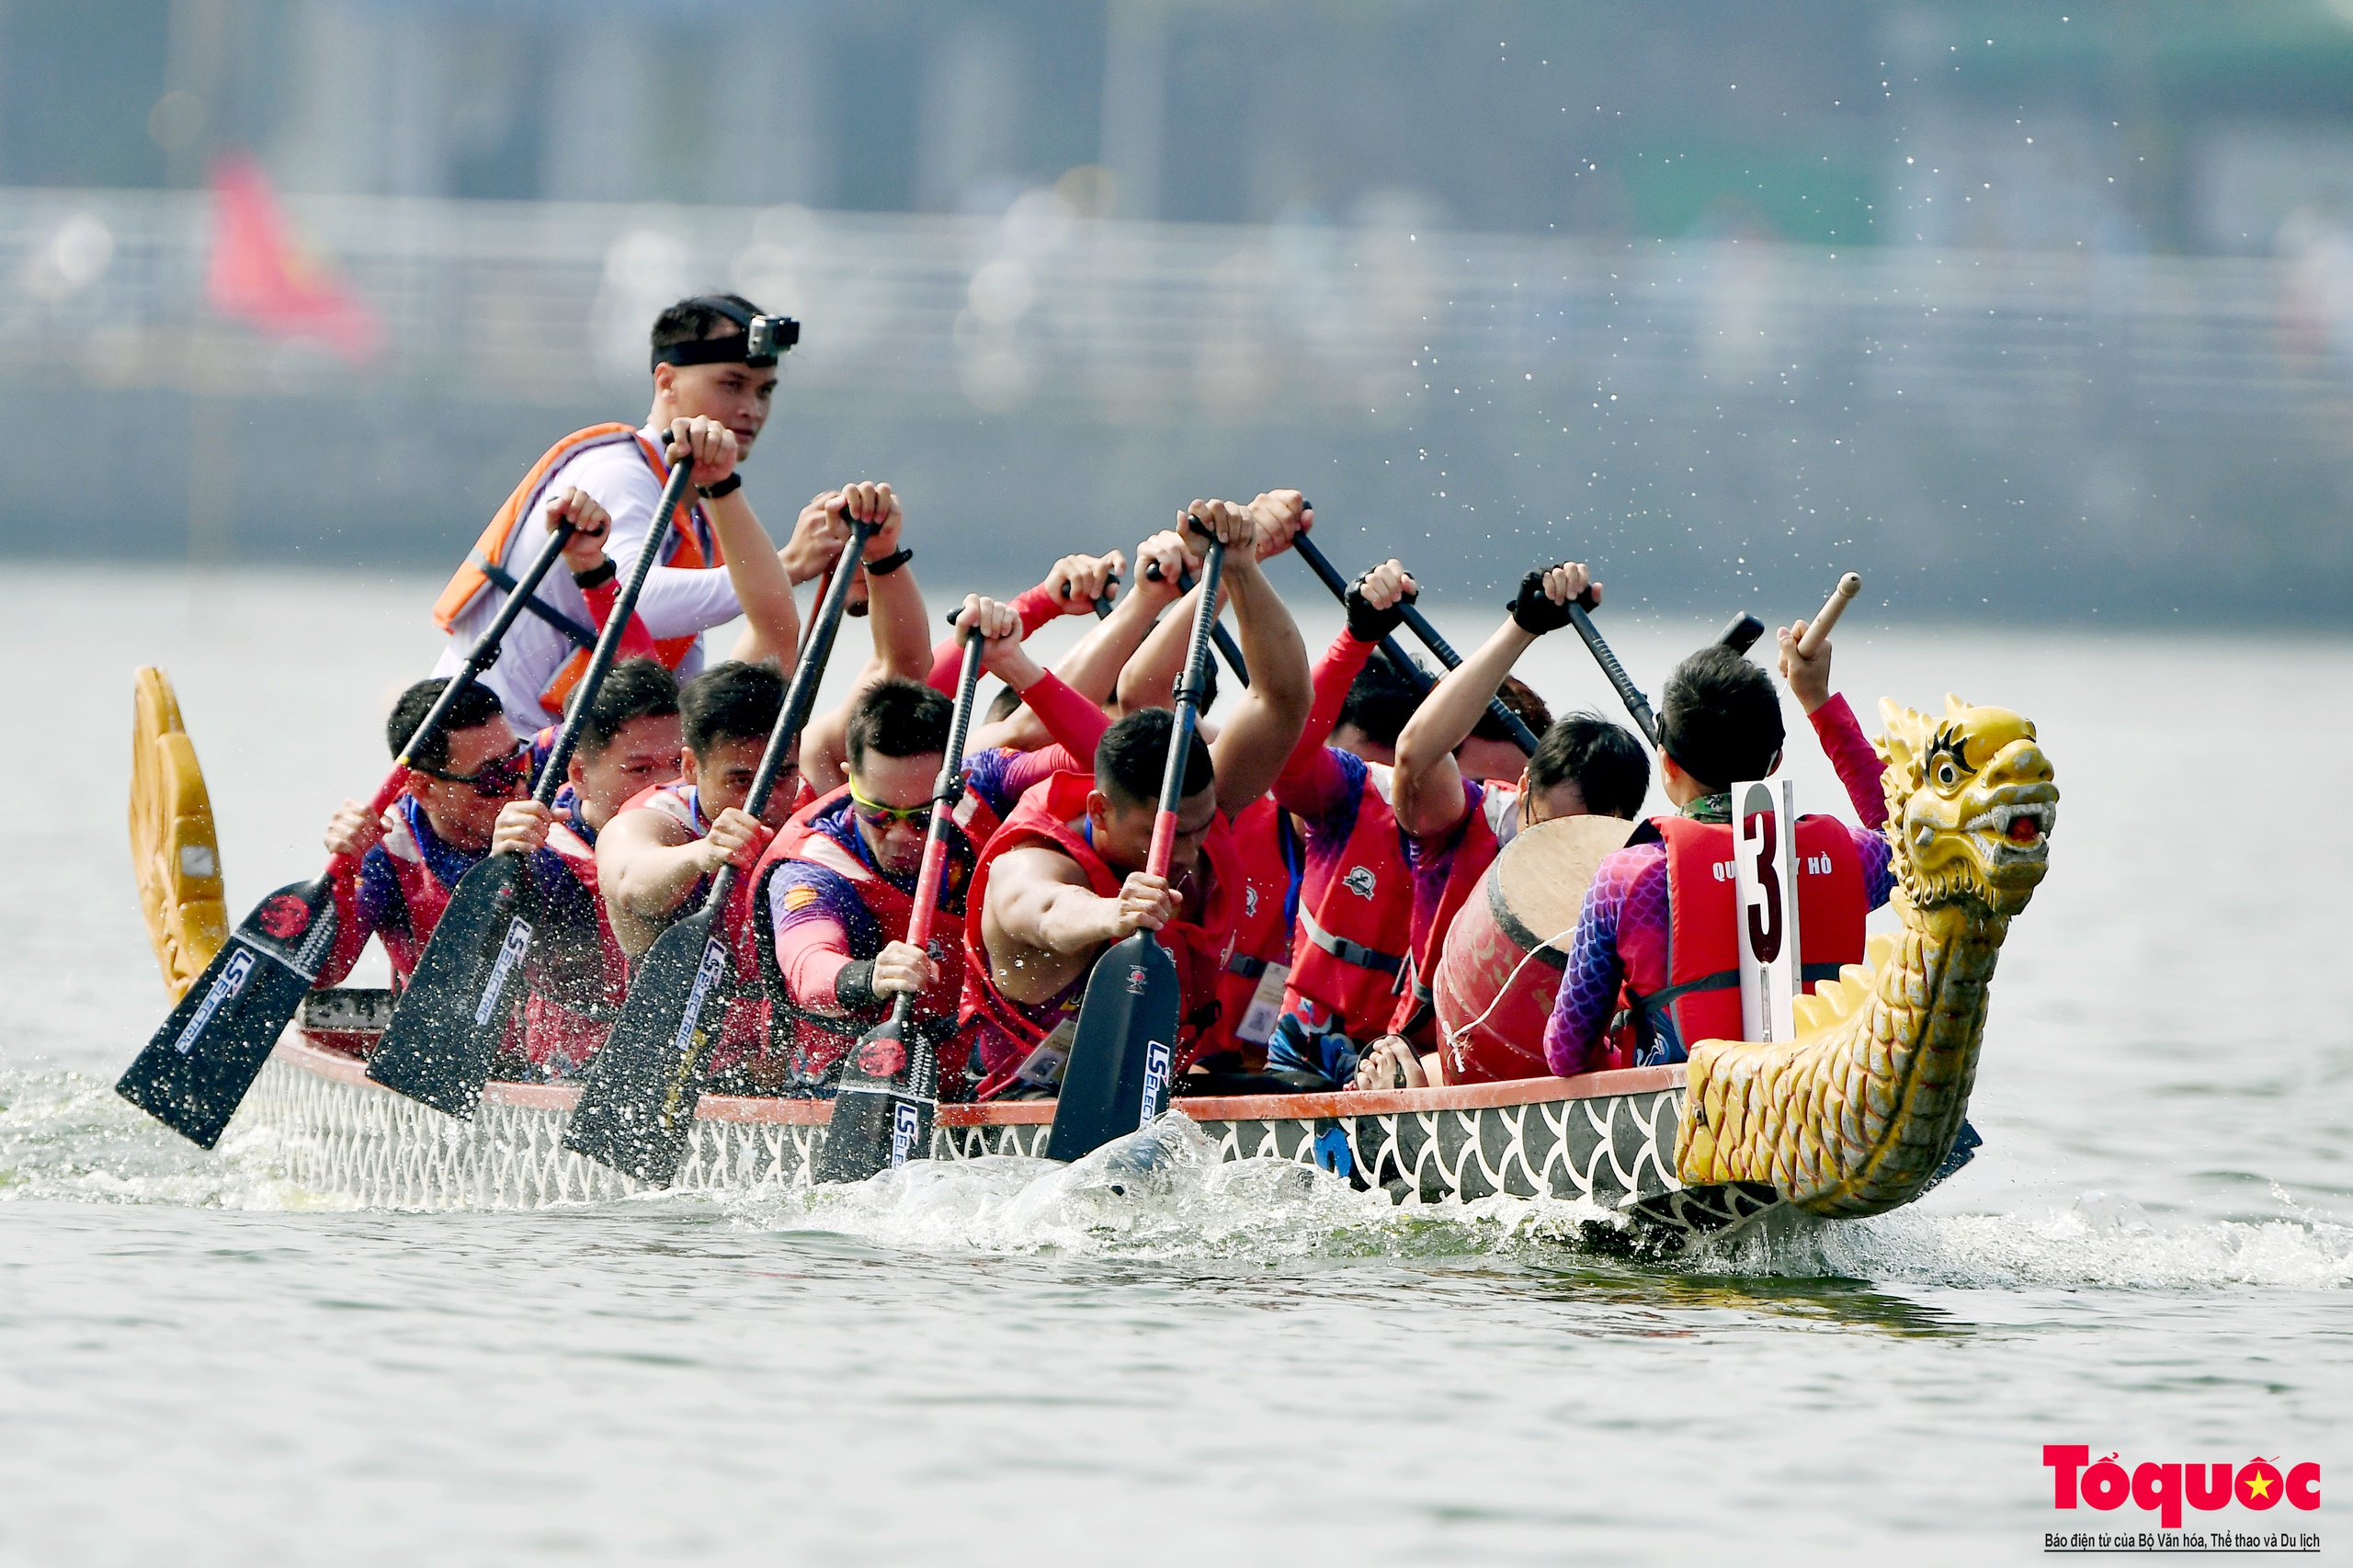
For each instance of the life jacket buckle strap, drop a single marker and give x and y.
(503, 581)
(1349, 952)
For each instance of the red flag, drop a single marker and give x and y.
(262, 275)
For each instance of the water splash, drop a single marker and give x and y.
(69, 1138)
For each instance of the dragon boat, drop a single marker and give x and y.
(1859, 1113)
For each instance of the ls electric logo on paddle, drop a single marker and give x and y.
(2161, 1488)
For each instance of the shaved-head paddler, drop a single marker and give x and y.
(1064, 877)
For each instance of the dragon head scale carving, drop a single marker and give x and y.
(1970, 806)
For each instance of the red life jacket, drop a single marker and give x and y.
(1465, 874)
(1701, 997)
(1265, 842)
(819, 1040)
(744, 1032)
(566, 1022)
(691, 544)
(1004, 1030)
(423, 894)
(1357, 930)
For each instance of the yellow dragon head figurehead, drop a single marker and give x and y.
(1969, 805)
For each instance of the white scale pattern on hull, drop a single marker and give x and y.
(369, 1146)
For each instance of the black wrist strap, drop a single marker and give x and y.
(890, 564)
(854, 984)
(727, 486)
(597, 577)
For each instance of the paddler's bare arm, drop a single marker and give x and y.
(1427, 785)
(1149, 680)
(647, 862)
(895, 612)
(1043, 924)
(1263, 723)
(754, 568)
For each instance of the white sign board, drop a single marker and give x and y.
(1764, 822)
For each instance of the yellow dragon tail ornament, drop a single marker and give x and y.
(1854, 1115)
(173, 853)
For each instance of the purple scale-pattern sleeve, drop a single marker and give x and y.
(1628, 891)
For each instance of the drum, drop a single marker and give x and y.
(1502, 963)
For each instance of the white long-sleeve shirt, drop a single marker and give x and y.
(676, 602)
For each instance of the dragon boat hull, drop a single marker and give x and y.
(1607, 1138)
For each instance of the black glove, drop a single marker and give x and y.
(1534, 609)
(1367, 624)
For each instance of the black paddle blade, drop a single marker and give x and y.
(194, 1074)
(637, 1104)
(1124, 1054)
(883, 1111)
(448, 1024)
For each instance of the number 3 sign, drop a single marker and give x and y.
(1766, 865)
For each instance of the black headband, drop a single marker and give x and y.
(758, 345)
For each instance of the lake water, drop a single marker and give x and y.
(2151, 1254)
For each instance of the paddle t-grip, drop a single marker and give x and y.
(1832, 608)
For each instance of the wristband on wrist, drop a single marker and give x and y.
(890, 564)
(727, 486)
(854, 985)
(597, 577)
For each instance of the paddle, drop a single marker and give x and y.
(1319, 563)
(1122, 1059)
(637, 1106)
(450, 1019)
(194, 1074)
(1227, 647)
(890, 1088)
(1628, 693)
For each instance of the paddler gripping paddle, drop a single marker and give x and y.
(890, 1088)
(194, 1074)
(1123, 1056)
(1522, 736)
(448, 1022)
(637, 1106)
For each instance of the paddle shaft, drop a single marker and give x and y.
(1832, 608)
(801, 695)
(1226, 646)
(1321, 564)
(1628, 693)
(944, 794)
(608, 642)
(1181, 735)
(480, 657)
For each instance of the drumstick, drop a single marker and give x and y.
(1832, 608)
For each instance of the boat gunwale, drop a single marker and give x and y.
(1334, 1105)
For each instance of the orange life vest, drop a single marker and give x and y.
(691, 545)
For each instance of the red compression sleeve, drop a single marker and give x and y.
(1850, 753)
(1035, 607)
(636, 642)
(810, 953)
(1076, 725)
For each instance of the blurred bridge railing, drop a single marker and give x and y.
(1151, 324)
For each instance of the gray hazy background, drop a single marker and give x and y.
(2025, 312)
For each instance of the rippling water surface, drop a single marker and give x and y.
(1003, 1362)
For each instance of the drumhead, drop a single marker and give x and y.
(1537, 884)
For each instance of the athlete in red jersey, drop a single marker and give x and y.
(629, 741)
(1352, 893)
(1455, 826)
(1063, 879)
(1657, 925)
(410, 860)
(833, 894)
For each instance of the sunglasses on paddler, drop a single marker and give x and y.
(493, 780)
(877, 816)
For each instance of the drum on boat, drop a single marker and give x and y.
(1503, 957)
